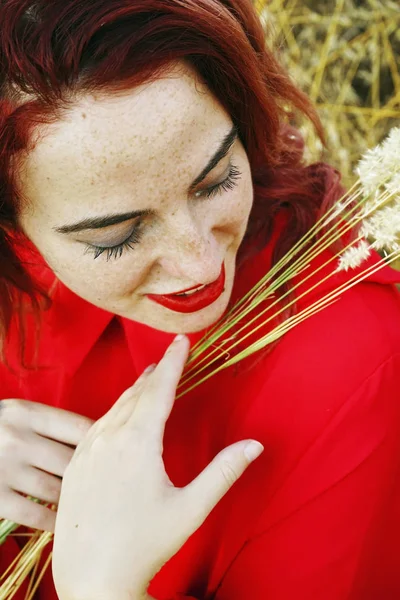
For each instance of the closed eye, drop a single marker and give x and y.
(136, 235)
(227, 184)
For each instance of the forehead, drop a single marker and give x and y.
(163, 123)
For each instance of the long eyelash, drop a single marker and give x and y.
(117, 251)
(228, 184)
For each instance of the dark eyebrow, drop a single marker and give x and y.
(222, 151)
(108, 220)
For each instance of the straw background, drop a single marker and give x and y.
(345, 54)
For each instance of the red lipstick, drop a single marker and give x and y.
(196, 301)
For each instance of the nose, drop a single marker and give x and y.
(191, 255)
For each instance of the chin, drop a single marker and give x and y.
(202, 324)
(174, 322)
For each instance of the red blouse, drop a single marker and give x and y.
(317, 516)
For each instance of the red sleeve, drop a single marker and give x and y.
(332, 529)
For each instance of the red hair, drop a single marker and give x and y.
(50, 52)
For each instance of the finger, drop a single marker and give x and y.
(60, 425)
(157, 398)
(25, 512)
(37, 484)
(49, 455)
(48, 421)
(126, 403)
(204, 492)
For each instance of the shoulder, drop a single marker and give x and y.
(346, 342)
(347, 353)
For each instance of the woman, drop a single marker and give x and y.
(143, 153)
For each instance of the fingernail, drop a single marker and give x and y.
(178, 338)
(253, 450)
(150, 368)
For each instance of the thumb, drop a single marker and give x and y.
(204, 492)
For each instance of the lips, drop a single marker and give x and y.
(194, 302)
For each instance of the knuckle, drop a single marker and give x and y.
(229, 473)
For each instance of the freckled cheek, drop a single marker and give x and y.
(97, 279)
(248, 198)
(114, 278)
(240, 207)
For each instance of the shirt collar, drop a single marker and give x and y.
(72, 326)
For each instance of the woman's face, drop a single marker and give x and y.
(113, 209)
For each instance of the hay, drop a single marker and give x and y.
(345, 54)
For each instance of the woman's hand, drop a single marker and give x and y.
(35, 450)
(120, 518)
